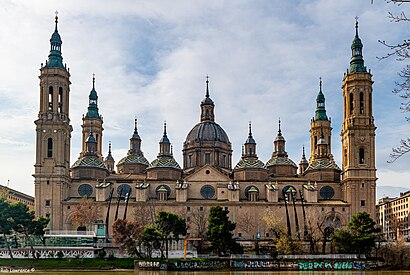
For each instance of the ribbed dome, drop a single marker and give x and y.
(89, 161)
(134, 159)
(207, 131)
(280, 161)
(164, 162)
(249, 163)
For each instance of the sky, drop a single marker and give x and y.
(150, 58)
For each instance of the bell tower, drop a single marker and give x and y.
(358, 135)
(53, 136)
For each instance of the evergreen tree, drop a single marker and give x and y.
(220, 232)
(171, 225)
(360, 238)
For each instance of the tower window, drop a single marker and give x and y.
(50, 98)
(362, 203)
(190, 161)
(315, 142)
(351, 103)
(50, 148)
(60, 99)
(361, 156)
(361, 104)
(224, 161)
(48, 203)
(207, 158)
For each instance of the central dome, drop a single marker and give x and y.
(207, 131)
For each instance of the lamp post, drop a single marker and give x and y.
(293, 194)
(107, 218)
(302, 198)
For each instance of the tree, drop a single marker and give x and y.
(171, 225)
(220, 232)
(360, 238)
(274, 223)
(23, 222)
(128, 235)
(152, 240)
(85, 213)
(5, 223)
(401, 51)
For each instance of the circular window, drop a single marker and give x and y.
(164, 186)
(124, 190)
(252, 188)
(207, 192)
(85, 190)
(326, 192)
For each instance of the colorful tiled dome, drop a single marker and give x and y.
(89, 161)
(137, 158)
(322, 164)
(249, 163)
(164, 162)
(280, 161)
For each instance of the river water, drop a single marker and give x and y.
(139, 272)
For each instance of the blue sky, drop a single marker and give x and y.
(264, 59)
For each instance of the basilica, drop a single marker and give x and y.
(137, 188)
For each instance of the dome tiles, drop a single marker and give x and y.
(89, 161)
(137, 158)
(250, 163)
(164, 162)
(322, 164)
(280, 161)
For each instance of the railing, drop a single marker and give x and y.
(69, 233)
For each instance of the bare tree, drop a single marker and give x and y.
(85, 213)
(247, 221)
(401, 52)
(198, 221)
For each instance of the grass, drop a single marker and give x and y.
(89, 264)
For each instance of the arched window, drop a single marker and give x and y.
(361, 103)
(361, 156)
(315, 142)
(60, 99)
(50, 148)
(351, 103)
(50, 98)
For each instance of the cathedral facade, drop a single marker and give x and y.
(250, 189)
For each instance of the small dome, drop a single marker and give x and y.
(89, 161)
(280, 161)
(91, 138)
(250, 140)
(207, 100)
(322, 164)
(137, 158)
(55, 37)
(249, 163)
(164, 162)
(207, 131)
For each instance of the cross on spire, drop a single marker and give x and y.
(93, 81)
(357, 25)
(56, 18)
(207, 86)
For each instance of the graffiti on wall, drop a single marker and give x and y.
(178, 265)
(253, 264)
(151, 265)
(331, 265)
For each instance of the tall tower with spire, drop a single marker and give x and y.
(358, 134)
(53, 136)
(92, 121)
(320, 126)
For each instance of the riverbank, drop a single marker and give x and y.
(78, 264)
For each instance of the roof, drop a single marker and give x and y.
(207, 131)
(249, 163)
(280, 161)
(137, 158)
(89, 161)
(164, 162)
(322, 164)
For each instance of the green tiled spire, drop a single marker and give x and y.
(93, 103)
(357, 62)
(55, 59)
(320, 105)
